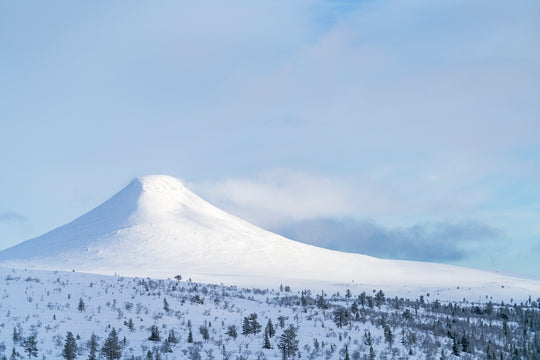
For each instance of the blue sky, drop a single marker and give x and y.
(400, 129)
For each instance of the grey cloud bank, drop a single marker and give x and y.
(424, 242)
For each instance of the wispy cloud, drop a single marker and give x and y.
(438, 241)
(11, 217)
(414, 190)
(286, 195)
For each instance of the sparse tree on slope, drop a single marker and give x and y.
(372, 354)
(130, 324)
(281, 320)
(172, 337)
(154, 334)
(456, 346)
(111, 349)
(30, 346)
(270, 329)
(165, 305)
(388, 336)
(16, 337)
(288, 343)
(345, 352)
(82, 305)
(321, 302)
(92, 347)
(246, 326)
(70, 347)
(14, 354)
(250, 325)
(266, 344)
(231, 331)
(204, 332)
(379, 298)
(341, 316)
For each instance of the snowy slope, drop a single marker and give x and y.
(156, 227)
(47, 304)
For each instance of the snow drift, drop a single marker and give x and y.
(156, 227)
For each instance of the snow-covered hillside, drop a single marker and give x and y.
(155, 227)
(167, 319)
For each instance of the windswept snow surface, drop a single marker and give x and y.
(155, 227)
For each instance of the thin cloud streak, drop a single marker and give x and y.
(12, 217)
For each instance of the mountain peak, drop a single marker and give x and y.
(160, 183)
(166, 198)
(157, 227)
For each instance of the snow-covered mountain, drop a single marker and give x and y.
(156, 227)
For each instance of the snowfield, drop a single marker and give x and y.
(155, 227)
(46, 305)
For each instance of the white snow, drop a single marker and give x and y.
(155, 227)
(46, 304)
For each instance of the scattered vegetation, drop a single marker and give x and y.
(77, 316)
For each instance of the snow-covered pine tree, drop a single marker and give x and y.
(270, 328)
(246, 326)
(204, 332)
(16, 337)
(82, 305)
(232, 332)
(341, 316)
(345, 352)
(172, 337)
(288, 342)
(30, 346)
(372, 353)
(111, 349)
(379, 298)
(92, 347)
(266, 344)
(388, 336)
(255, 326)
(166, 305)
(130, 325)
(14, 354)
(70, 347)
(154, 334)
